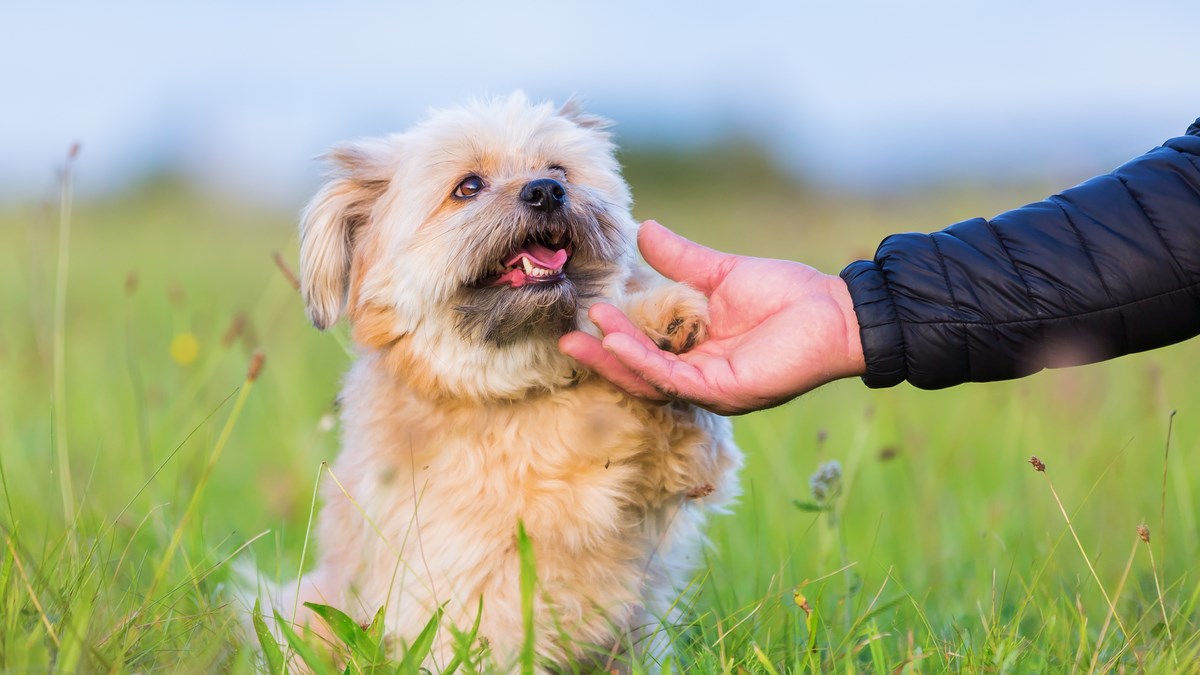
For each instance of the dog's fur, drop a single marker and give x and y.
(460, 417)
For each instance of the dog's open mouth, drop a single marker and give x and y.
(540, 260)
(533, 272)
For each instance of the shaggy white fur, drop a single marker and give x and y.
(460, 417)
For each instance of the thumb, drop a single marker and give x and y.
(680, 259)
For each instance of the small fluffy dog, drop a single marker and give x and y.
(460, 251)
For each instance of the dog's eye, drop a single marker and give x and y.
(559, 168)
(470, 187)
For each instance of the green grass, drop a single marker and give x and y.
(944, 549)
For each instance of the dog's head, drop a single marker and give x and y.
(476, 239)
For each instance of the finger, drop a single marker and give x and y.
(588, 351)
(664, 371)
(680, 259)
(612, 320)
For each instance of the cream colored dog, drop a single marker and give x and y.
(460, 251)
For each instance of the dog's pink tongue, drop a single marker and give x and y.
(546, 258)
(515, 278)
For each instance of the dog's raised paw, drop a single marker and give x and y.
(682, 333)
(675, 317)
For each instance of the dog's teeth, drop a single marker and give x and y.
(528, 265)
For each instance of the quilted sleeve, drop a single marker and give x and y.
(1109, 267)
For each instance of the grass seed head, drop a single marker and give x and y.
(801, 601)
(236, 328)
(1143, 533)
(1038, 464)
(285, 269)
(256, 365)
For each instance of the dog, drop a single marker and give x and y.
(459, 252)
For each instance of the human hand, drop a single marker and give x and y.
(776, 330)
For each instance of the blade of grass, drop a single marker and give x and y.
(312, 510)
(1162, 505)
(60, 320)
(1109, 616)
(528, 582)
(270, 648)
(357, 640)
(420, 648)
(310, 656)
(160, 571)
(1041, 468)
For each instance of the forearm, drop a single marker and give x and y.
(1107, 268)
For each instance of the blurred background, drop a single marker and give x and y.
(809, 129)
(876, 96)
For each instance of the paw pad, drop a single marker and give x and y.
(682, 334)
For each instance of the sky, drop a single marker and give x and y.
(242, 96)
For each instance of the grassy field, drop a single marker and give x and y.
(137, 461)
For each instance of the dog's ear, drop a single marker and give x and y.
(573, 110)
(359, 174)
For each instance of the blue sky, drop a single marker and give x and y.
(241, 96)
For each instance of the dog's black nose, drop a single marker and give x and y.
(544, 194)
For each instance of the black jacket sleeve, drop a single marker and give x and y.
(1109, 267)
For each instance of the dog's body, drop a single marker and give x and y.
(461, 251)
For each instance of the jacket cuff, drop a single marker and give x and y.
(878, 324)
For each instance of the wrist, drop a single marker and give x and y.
(853, 363)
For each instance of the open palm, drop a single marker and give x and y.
(777, 329)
